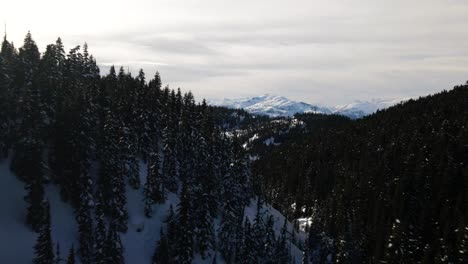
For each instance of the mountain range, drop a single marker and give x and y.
(274, 106)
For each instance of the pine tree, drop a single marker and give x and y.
(204, 199)
(305, 257)
(462, 245)
(248, 254)
(4, 108)
(35, 211)
(152, 189)
(394, 251)
(161, 255)
(171, 235)
(32, 120)
(57, 254)
(114, 249)
(184, 218)
(232, 200)
(99, 234)
(112, 183)
(170, 161)
(44, 246)
(85, 221)
(270, 242)
(281, 250)
(71, 256)
(259, 231)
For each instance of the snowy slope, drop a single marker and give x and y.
(359, 109)
(271, 105)
(274, 106)
(17, 240)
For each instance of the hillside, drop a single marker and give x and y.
(119, 169)
(139, 241)
(391, 187)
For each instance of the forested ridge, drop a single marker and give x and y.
(64, 123)
(389, 188)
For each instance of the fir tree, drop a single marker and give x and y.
(58, 258)
(44, 245)
(85, 221)
(281, 250)
(305, 257)
(35, 211)
(114, 249)
(184, 218)
(152, 189)
(99, 234)
(71, 256)
(248, 253)
(161, 255)
(171, 235)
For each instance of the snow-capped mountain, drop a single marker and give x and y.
(358, 108)
(273, 106)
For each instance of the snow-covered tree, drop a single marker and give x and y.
(184, 235)
(152, 193)
(44, 253)
(71, 256)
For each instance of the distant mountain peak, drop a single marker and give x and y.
(271, 105)
(275, 105)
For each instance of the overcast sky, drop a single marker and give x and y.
(318, 51)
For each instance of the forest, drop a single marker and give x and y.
(64, 123)
(391, 187)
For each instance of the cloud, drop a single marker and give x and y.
(328, 52)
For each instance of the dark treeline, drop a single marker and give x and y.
(62, 122)
(389, 188)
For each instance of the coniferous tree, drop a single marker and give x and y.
(248, 254)
(270, 242)
(204, 199)
(85, 221)
(152, 189)
(58, 258)
(9, 94)
(35, 211)
(114, 249)
(170, 161)
(4, 108)
(259, 231)
(281, 249)
(184, 240)
(161, 255)
(305, 257)
(71, 256)
(171, 235)
(99, 233)
(232, 200)
(112, 183)
(44, 246)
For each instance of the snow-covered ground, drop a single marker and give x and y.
(17, 240)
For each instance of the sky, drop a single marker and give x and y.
(326, 52)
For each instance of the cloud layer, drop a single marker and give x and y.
(327, 52)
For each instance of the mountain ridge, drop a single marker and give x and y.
(276, 106)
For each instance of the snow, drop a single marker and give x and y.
(17, 240)
(358, 109)
(270, 141)
(270, 105)
(275, 106)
